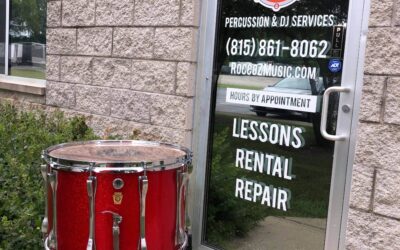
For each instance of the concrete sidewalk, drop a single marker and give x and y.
(284, 233)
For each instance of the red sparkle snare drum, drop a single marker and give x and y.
(115, 195)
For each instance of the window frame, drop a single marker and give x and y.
(7, 39)
(6, 78)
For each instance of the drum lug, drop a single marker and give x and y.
(117, 219)
(185, 242)
(45, 222)
(91, 189)
(183, 179)
(52, 178)
(143, 187)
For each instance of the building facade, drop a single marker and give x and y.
(130, 67)
(374, 199)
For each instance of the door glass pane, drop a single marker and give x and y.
(269, 169)
(27, 51)
(2, 34)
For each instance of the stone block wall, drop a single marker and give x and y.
(374, 216)
(128, 65)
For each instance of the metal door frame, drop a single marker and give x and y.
(352, 77)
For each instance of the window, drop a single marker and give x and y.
(23, 38)
(2, 35)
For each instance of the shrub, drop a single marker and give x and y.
(23, 135)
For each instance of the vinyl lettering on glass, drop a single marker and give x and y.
(269, 169)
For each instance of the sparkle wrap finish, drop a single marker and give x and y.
(74, 163)
(73, 210)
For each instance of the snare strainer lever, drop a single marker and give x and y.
(117, 219)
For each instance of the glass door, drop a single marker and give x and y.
(270, 181)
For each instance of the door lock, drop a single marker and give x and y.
(346, 108)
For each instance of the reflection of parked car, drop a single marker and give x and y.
(226, 70)
(291, 86)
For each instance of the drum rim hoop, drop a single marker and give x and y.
(137, 166)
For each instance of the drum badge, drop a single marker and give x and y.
(275, 5)
(117, 197)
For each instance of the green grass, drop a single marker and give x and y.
(28, 73)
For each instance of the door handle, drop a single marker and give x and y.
(324, 113)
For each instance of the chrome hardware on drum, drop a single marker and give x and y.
(118, 195)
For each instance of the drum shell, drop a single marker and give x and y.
(73, 209)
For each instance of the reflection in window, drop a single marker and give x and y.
(241, 210)
(27, 38)
(294, 83)
(2, 35)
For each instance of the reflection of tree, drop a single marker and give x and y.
(248, 8)
(29, 16)
(2, 34)
(310, 7)
(227, 216)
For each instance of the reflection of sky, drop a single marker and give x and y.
(19, 30)
(24, 33)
